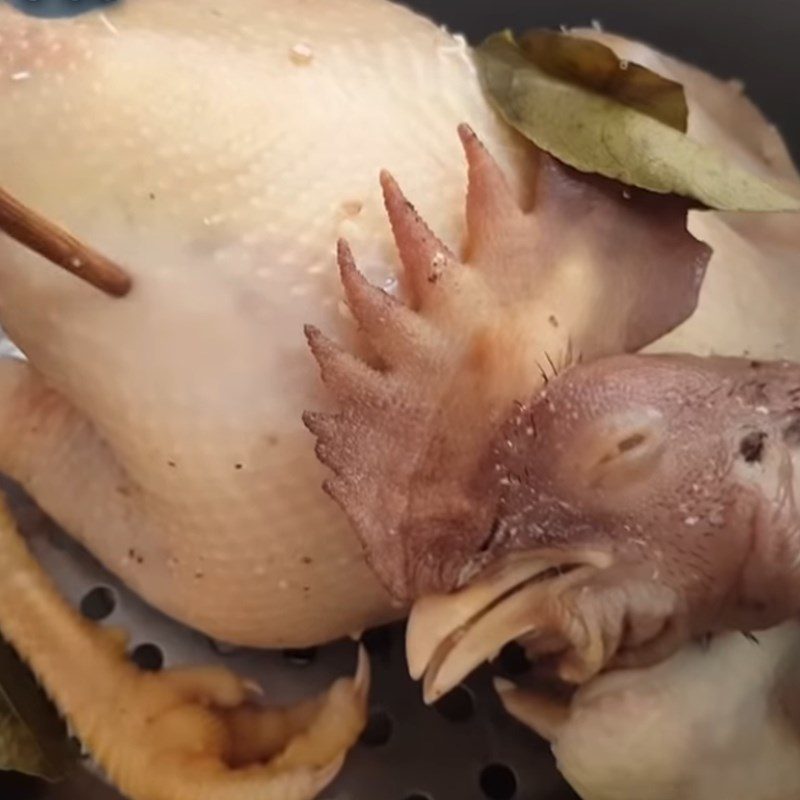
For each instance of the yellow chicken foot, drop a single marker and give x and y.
(181, 734)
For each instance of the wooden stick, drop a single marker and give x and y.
(57, 245)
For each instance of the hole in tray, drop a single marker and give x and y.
(498, 782)
(98, 604)
(378, 730)
(378, 642)
(12, 784)
(300, 656)
(513, 661)
(148, 657)
(458, 705)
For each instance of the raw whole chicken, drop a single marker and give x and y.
(188, 471)
(218, 152)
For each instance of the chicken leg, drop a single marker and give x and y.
(182, 734)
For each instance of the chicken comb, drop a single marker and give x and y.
(594, 268)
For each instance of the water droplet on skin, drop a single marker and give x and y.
(352, 208)
(301, 54)
(691, 521)
(22, 75)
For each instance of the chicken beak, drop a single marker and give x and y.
(450, 635)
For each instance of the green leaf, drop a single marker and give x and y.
(595, 66)
(33, 739)
(596, 133)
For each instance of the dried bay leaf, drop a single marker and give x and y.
(598, 133)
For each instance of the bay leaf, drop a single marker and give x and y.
(596, 133)
(595, 66)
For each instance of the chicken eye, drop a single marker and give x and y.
(620, 450)
(631, 442)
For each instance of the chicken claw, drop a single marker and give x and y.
(181, 734)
